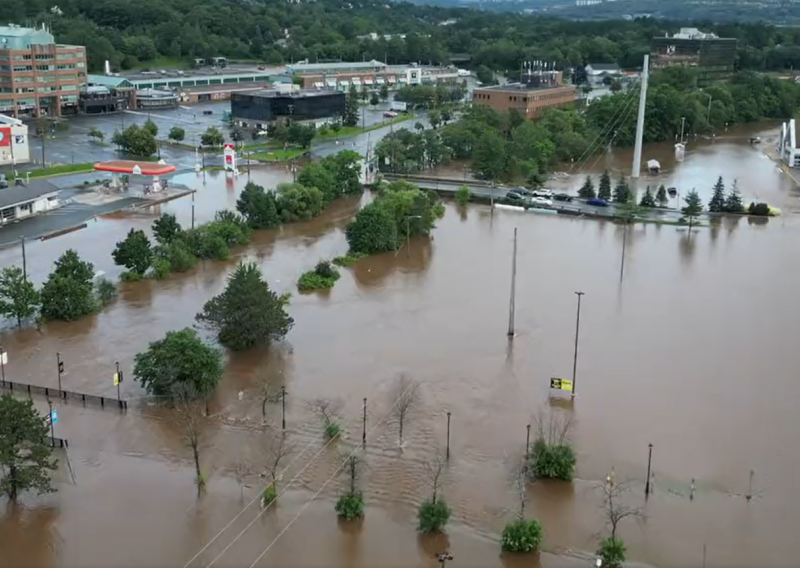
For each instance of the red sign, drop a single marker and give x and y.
(5, 136)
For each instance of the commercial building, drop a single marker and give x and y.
(599, 73)
(20, 201)
(713, 56)
(267, 106)
(539, 90)
(371, 75)
(39, 77)
(787, 145)
(13, 142)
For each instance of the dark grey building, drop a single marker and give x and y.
(267, 106)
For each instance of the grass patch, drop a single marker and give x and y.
(347, 131)
(348, 259)
(59, 169)
(264, 145)
(277, 155)
(324, 276)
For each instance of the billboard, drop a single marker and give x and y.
(5, 136)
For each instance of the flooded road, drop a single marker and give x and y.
(692, 349)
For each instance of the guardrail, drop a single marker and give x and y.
(30, 390)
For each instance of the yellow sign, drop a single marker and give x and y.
(561, 384)
(116, 379)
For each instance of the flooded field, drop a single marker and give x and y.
(692, 348)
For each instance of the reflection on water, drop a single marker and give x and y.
(674, 355)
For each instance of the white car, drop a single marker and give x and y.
(542, 193)
(535, 200)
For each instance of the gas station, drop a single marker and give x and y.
(132, 167)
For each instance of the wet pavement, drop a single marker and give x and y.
(691, 348)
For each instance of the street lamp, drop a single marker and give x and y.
(577, 330)
(408, 233)
(443, 557)
(649, 460)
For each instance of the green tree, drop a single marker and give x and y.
(374, 99)
(19, 298)
(301, 134)
(135, 140)
(68, 292)
(350, 114)
(150, 127)
(345, 166)
(373, 230)
(693, 207)
(604, 189)
(587, 189)
(247, 313)
(463, 195)
(661, 196)
(181, 357)
(612, 551)
(24, 449)
(258, 206)
(434, 513)
(733, 202)
(212, 137)
(484, 75)
(296, 202)
(717, 202)
(134, 253)
(521, 535)
(435, 118)
(489, 157)
(647, 199)
(176, 133)
(384, 92)
(166, 229)
(622, 191)
(350, 504)
(318, 175)
(96, 134)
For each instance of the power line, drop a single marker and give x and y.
(621, 122)
(258, 496)
(334, 474)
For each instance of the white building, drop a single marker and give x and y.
(596, 73)
(13, 141)
(20, 201)
(787, 145)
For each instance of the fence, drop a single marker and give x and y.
(30, 390)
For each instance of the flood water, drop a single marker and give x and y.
(692, 348)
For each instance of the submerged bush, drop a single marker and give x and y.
(105, 290)
(322, 277)
(350, 506)
(348, 259)
(522, 535)
(612, 551)
(552, 461)
(433, 516)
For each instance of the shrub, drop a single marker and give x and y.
(205, 244)
(180, 257)
(552, 461)
(433, 516)
(269, 495)
(322, 277)
(130, 276)
(612, 551)
(348, 259)
(332, 429)
(761, 209)
(372, 230)
(325, 269)
(350, 506)
(463, 195)
(522, 536)
(160, 268)
(105, 290)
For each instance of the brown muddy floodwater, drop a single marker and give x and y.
(692, 349)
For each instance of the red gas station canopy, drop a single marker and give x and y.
(134, 167)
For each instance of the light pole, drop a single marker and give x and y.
(408, 233)
(649, 459)
(443, 557)
(3, 361)
(52, 428)
(577, 331)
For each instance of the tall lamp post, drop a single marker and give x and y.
(649, 460)
(577, 331)
(443, 557)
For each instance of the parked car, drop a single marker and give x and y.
(542, 201)
(389, 114)
(542, 193)
(596, 201)
(522, 191)
(514, 196)
(562, 197)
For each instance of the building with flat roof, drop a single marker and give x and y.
(264, 107)
(14, 148)
(713, 57)
(39, 77)
(539, 90)
(20, 201)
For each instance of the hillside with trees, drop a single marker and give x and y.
(152, 32)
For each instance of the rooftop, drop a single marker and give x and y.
(604, 66)
(19, 194)
(275, 93)
(18, 37)
(338, 66)
(520, 87)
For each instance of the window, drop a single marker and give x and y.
(79, 64)
(45, 67)
(22, 68)
(43, 56)
(62, 66)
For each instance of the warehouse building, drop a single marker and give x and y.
(289, 102)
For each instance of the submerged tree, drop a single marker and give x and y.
(733, 202)
(277, 448)
(615, 510)
(134, 252)
(350, 504)
(434, 513)
(587, 189)
(661, 196)
(404, 397)
(24, 449)
(190, 409)
(68, 293)
(693, 207)
(19, 298)
(604, 189)
(247, 313)
(647, 199)
(329, 413)
(521, 534)
(717, 202)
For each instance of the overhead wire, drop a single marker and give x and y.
(629, 109)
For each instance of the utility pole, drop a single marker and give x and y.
(513, 289)
(283, 408)
(3, 363)
(649, 460)
(624, 243)
(577, 332)
(44, 137)
(528, 441)
(448, 434)
(193, 207)
(637, 149)
(60, 370)
(364, 426)
(118, 381)
(52, 428)
(24, 259)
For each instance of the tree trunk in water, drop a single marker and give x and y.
(200, 481)
(12, 489)
(401, 431)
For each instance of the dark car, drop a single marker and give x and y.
(596, 201)
(562, 197)
(520, 191)
(514, 196)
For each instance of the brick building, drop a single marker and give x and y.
(39, 77)
(537, 92)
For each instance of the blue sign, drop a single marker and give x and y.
(54, 416)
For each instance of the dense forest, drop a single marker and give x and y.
(146, 32)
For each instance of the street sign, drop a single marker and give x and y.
(54, 416)
(561, 384)
(117, 379)
(4, 358)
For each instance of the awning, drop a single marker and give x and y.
(331, 82)
(344, 83)
(356, 81)
(368, 81)
(380, 81)
(391, 80)
(319, 84)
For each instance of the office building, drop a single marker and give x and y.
(538, 91)
(713, 57)
(288, 102)
(39, 77)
